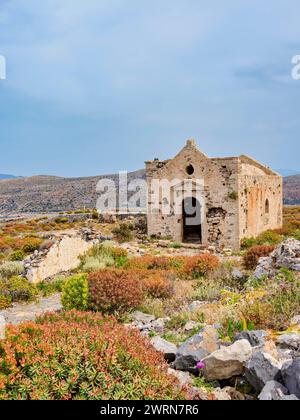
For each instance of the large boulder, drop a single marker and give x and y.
(168, 349)
(291, 376)
(289, 341)
(228, 361)
(286, 255)
(261, 369)
(264, 268)
(255, 338)
(196, 348)
(273, 391)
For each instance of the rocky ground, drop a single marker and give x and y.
(29, 312)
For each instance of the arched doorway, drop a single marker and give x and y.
(192, 227)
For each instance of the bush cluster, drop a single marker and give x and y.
(75, 293)
(103, 256)
(16, 289)
(113, 291)
(253, 255)
(158, 284)
(124, 233)
(184, 267)
(81, 356)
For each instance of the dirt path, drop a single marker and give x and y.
(29, 312)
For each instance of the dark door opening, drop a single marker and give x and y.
(192, 228)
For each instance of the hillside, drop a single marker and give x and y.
(5, 176)
(292, 189)
(53, 194)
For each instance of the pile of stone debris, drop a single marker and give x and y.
(264, 367)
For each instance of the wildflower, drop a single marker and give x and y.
(200, 365)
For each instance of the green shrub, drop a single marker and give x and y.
(61, 220)
(50, 287)
(10, 269)
(18, 255)
(82, 356)
(5, 298)
(31, 244)
(233, 195)
(123, 233)
(269, 237)
(175, 245)
(92, 264)
(75, 293)
(21, 290)
(103, 256)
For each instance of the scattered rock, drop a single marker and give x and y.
(261, 369)
(168, 349)
(289, 341)
(191, 326)
(159, 325)
(196, 348)
(291, 376)
(184, 378)
(228, 394)
(142, 318)
(238, 275)
(273, 391)
(296, 321)
(286, 255)
(264, 268)
(289, 398)
(255, 338)
(228, 361)
(221, 394)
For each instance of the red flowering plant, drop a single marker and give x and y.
(81, 356)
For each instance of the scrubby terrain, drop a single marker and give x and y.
(145, 318)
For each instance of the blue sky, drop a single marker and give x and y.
(98, 86)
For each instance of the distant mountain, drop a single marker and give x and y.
(287, 172)
(292, 189)
(46, 194)
(4, 176)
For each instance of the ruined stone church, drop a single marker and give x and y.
(237, 198)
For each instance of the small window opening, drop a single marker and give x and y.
(267, 207)
(190, 170)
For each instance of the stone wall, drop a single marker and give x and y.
(260, 200)
(61, 257)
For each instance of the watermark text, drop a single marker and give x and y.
(2, 67)
(296, 68)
